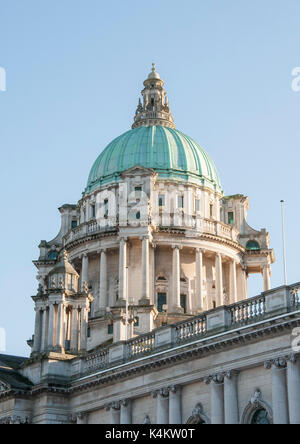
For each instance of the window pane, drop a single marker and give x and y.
(161, 300)
(180, 201)
(183, 302)
(231, 218)
(161, 200)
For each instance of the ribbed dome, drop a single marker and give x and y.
(172, 154)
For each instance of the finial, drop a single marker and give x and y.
(153, 67)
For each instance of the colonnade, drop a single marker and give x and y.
(148, 287)
(56, 323)
(284, 407)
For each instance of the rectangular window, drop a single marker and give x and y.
(183, 302)
(161, 200)
(211, 211)
(136, 321)
(231, 218)
(93, 211)
(161, 301)
(138, 192)
(105, 207)
(74, 224)
(180, 201)
(110, 329)
(197, 205)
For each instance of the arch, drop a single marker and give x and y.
(198, 417)
(253, 409)
(252, 245)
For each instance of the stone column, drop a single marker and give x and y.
(175, 405)
(145, 300)
(219, 280)
(279, 390)
(115, 413)
(60, 326)
(162, 407)
(37, 330)
(266, 277)
(217, 399)
(103, 303)
(199, 278)
(233, 282)
(126, 412)
(51, 327)
(122, 272)
(44, 329)
(231, 408)
(84, 270)
(153, 287)
(293, 380)
(175, 306)
(83, 329)
(74, 330)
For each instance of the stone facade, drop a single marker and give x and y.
(142, 309)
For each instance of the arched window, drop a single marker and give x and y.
(260, 417)
(252, 245)
(257, 411)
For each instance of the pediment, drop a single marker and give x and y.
(138, 170)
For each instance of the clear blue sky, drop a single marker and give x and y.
(74, 73)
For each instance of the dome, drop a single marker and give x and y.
(170, 153)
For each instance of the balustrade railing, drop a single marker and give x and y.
(192, 329)
(140, 345)
(96, 361)
(243, 313)
(295, 295)
(247, 311)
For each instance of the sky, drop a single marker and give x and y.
(74, 72)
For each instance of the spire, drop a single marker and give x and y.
(155, 107)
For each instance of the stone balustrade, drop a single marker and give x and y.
(226, 318)
(208, 226)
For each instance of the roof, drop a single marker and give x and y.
(9, 375)
(169, 152)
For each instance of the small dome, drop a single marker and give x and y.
(153, 74)
(172, 154)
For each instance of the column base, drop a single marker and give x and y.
(176, 310)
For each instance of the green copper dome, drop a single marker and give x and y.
(170, 153)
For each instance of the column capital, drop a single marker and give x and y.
(200, 250)
(145, 237)
(218, 378)
(176, 247)
(207, 380)
(164, 392)
(124, 402)
(293, 357)
(123, 240)
(84, 256)
(115, 405)
(174, 388)
(102, 250)
(230, 374)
